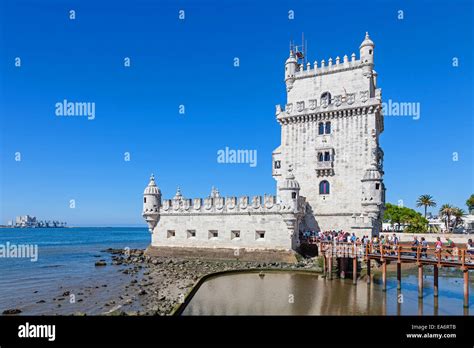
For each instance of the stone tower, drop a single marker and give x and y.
(151, 204)
(330, 130)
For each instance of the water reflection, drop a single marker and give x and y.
(308, 294)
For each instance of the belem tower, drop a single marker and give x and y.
(328, 168)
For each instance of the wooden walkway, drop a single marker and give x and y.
(445, 257)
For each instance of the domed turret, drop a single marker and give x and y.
(151, 204)
(372, 186)
(289, 190)
(367, 50)
(291, 65)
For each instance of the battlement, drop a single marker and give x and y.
(227, 205)
(337, 102)
(329, 67)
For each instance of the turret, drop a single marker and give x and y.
(289, 191)
(151, 204)
(373, 196)
(367, 50)
(291, 66)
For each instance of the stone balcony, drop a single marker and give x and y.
(324, 165)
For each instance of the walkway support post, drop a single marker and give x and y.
(367, 260)
(354, 269)
(384, 269)
(330, 267)
(435, 280)
(420, 280)
(466, 280)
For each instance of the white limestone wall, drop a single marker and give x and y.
(276, 232)
(339, 82)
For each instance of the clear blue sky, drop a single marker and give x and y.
(190, 62)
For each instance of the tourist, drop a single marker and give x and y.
(415, 244)
(470, 247)
(438, 245)
(353, 238)
(424, 247)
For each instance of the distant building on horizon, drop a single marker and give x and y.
(27, 221)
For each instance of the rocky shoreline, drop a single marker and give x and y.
(145, 285)
(161, 284)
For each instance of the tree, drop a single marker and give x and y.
(425, 201)
(470, 203)
(402, 215)
(445, 212)
(458, 213)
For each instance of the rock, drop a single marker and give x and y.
(100, 263)
(41, 301)
(66, 293)
(134, 281)
(12, 311)
(142, 292)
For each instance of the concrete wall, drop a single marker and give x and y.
(431, 237)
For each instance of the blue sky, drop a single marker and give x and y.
(190, 62)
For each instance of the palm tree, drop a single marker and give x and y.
(445, 213)
(425, 201)
(458, 213)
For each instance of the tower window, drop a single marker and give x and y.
(260, 235)
(327, 156)
(277, 164)
(235, 235)
(370, 51)
(213, 234)
(326, 96)
(320, 128)
(377, 186)
(328, 128)
(320, 157)
(293, 195)
(144, 199)
(324, 187)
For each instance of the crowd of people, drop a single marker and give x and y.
(388, 242)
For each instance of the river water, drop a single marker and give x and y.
(308, 294)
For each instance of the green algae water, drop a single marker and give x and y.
(284, 293)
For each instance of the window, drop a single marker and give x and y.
(326, 96)
(321, 128)
(327, 156)
(191, 233)
(324, 187)
(144, 199)
(277, 164)
(213, 234)
(377, 186)
(235, 235)
(320, 157)
(260, 235)
(370, 51)
(328, 128)
(171, 234)
(293, 195)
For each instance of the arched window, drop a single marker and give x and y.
(327, 96)
(320, 157)
(321, 128)
(327, 156)
(324, 187)
(328, 128)
(293, 195)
